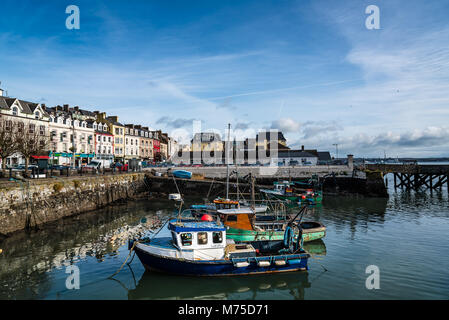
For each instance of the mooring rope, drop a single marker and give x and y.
(121, 267)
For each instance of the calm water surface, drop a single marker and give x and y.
(406, 236)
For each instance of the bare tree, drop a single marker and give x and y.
(8, 143)
(31, 140)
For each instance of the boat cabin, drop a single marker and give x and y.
(283, 187)
(242, 218)
(203, 239)
(225, 204)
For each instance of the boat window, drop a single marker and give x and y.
(217, 237)
(232, 217)
(202, 237)
(186, 239)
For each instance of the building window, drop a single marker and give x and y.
(15, 111)
(202, 238)
(186, 239)
(37, 115)
(42, 130)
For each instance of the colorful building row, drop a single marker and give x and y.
(76, 136)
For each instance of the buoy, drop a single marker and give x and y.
(206, 217)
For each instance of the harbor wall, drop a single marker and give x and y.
(372, 186)
(267, 172)
(30, 203)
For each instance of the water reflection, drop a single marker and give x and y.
(359, 231)
(28, 257)
(153, 285)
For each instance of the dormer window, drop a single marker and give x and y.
(37, 115)
(105, 128)
(95, 126)
(15, 111)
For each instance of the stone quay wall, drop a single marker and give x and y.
(26, 204)
(266, 171)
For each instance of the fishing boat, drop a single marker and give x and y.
(183, 174)
(202, 248)
(284, 190)
(244, 225)
(220, 203)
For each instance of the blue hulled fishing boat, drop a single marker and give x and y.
(200, 248)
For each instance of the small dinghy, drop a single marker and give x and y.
(183, 174)
(200, 248)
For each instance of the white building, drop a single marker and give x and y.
(70, 135)
(104, 141)
(26, 115)
(293, 157)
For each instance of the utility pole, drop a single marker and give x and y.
(73, 141)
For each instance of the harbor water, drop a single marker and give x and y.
(405, 237)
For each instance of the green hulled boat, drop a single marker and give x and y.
(244, 225)
(284, 191)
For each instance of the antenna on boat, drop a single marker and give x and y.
(227, 161)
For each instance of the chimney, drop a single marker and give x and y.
(113, 118)
(145, 128)
(44, 107)
(302, 148)
(76, 108)
(66, 107)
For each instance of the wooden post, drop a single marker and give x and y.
(394, 177)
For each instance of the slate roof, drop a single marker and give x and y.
(324, 156)
(27, 107)
(295, 154)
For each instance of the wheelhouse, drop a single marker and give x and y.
(221, 204)
(195, 235)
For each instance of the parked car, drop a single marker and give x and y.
(92, 166)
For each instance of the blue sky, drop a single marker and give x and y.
(308, 68)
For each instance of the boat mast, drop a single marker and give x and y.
(227, 161)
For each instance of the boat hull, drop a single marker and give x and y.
(152, 262)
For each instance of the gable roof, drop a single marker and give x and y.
(27, 107)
